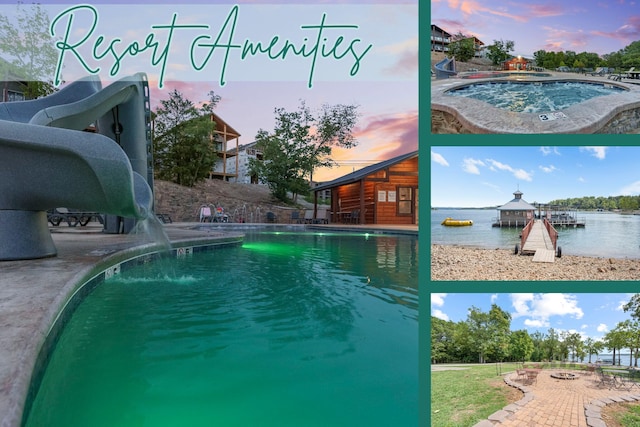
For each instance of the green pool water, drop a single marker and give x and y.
(285, 330)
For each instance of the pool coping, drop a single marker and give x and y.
(584, 118)
(34, 313)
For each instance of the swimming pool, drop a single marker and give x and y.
(288, 329)
(533, 97)
(616, 113)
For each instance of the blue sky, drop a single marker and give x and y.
(473, 176)
(591, 315)
(585, 25)
(384, 82)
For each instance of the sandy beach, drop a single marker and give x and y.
(454, 262)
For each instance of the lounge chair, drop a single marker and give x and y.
(598, 72)
(322, 217)
(308, 216)
(628, 74)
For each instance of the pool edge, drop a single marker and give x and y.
(26, 377)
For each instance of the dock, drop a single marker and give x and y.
(539, 238)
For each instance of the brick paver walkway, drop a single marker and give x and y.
(552, 402)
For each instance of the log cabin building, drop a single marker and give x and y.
(384, 193)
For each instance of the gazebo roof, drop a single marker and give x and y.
(517, 204)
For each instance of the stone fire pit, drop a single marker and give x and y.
(564, 376)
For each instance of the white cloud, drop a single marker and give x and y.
(597, 152)
(549, 150)
(438, 299)
(548, 169)
(585, 326)
(494, 298)
(631, 189)
(602, 328)
(440, 315)
(439, 159)
(538, 308)
(581, 179)
(471, 166)
(518, 173)
(536, 323)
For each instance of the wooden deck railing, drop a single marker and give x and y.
(525, 232)
(552, 232)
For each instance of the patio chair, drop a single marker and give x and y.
(521, 375)
(532, 377)
(205, 214)
(271, 217)
(604, 379)
(354, 217)
(295, 217)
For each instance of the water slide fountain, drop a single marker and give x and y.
(48, 159)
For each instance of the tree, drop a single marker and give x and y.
(462, 47)
(593, 347)
(184, 150)
(574, 345)
(520, 345)
(498, 52)
(26, 45)
(300, 143)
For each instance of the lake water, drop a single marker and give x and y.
(606, 234)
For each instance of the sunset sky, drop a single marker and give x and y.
(587, 25)
(366, 55)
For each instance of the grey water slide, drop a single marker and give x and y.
(49, 160)
(445, 68)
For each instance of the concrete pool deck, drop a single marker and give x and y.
(616, 113)
(34, 292)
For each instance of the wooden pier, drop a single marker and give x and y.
(539, 239)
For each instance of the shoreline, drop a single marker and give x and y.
(468, 263)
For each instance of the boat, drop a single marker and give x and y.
(456, 222)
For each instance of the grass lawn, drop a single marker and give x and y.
(461, 398)
(622, 415)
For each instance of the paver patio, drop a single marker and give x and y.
(559, 402)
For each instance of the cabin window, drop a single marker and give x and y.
(405, 200)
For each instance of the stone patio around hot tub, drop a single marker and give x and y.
(559, 403)
(617, 113)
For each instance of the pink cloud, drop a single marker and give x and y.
(628, 32)
(472, 7)
(406, 65)
(395, 135)
(543, 10)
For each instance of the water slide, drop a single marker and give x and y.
(446, 68)
(48, 160)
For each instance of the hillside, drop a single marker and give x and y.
(247, 201)
(481, 64)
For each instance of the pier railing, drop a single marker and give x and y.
(552, 232)
(525, 232)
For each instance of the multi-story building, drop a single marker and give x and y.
(238, 163)
(223, 137)
(440, 39)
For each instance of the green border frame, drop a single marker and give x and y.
(427, 140)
